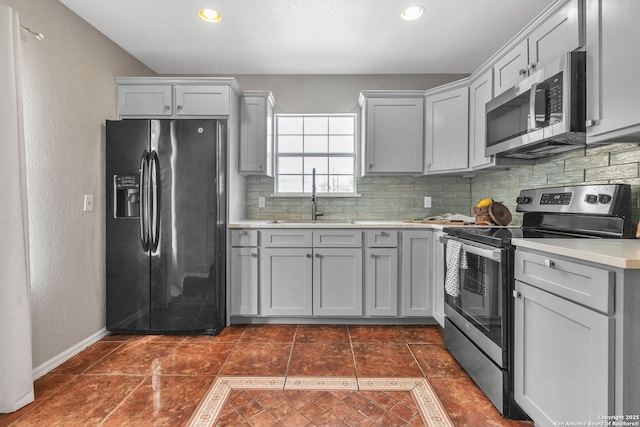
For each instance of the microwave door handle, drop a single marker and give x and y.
(533, 125)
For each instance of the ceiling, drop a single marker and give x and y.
(309, 36)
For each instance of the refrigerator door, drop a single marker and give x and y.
(187, 224)
(127, 263)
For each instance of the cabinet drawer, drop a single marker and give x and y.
(244, 238)
(287, 238)
(585, 284)
(337, 239)
(382, 239)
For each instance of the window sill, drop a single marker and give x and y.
(318, 195)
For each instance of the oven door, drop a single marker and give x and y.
(475, 279)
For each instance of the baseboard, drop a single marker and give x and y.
(60, 358)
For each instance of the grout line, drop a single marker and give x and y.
(231, 352)
(106, 417)
(353, 357)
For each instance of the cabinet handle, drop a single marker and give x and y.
(308, 255)
(254, 255)
(522, 72)
(318, 256)
(245, 232)
(532, 66)
(373, 255)
(179, 107)
(166, 107)
(370, 165)
(383, 233)
(589, 123)
(428, 165)
(516, 294)
(260, 166)
(549, 263)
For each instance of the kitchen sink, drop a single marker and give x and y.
(308, 221)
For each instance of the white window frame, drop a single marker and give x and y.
(320, 192)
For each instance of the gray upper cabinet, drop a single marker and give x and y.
(151, 97)
(256, 133)
(613, 87)
(480, 92)
(446, 128)
(560, 33)
(392, 132)
(144, 100)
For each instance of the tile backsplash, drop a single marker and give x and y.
(389, 197)
(397, 198)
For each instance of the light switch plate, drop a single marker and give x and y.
(88, 202)
(261, 202)
(427, 202)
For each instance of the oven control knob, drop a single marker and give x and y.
(604, 198)
(523, 200)
(591, 199)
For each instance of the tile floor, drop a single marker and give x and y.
(158, 380)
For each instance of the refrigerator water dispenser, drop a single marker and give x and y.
(127, 196)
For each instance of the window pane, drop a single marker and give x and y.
(290, 165)
(290, 144)
(341, 165)
(322, 182)
(290, 125)
(316, 144)
(341, 125)
(341, 144)
(290, 184)
(320, 163)
(342, 184)
(316, 125)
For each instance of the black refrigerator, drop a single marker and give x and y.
(165, 226)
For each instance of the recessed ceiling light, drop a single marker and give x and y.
(412, 12)
(210, 15)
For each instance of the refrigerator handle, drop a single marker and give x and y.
(154, 182)
(144, 201)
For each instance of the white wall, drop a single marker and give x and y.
(69, 92)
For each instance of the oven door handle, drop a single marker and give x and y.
(494, 254)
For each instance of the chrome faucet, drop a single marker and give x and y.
(314, 203)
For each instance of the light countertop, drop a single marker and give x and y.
(622, 253)
(333, 224)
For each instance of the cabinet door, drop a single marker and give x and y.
(337, 282)
(382, 282)
(256, 136)
(480, 92)
(447, 135)
(393, 139)
(563, 359)
(511, 68)
(244, 281)
(285, 282)
(417, 273)
(144, 100)
(202, 100)
(613, 87)
(559, 34)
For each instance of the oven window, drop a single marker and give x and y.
(478, 296)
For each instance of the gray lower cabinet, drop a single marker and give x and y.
(438, 278)
(563, 358)
(286, 282)
(243, 298)
(576, 339)
(337, 282)
(417, 274)
(244, 284)
(382, 282)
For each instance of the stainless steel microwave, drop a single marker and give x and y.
(542, 115)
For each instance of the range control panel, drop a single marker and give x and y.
(580, 199)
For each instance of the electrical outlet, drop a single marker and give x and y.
(88, 202)
(261, 202)
(427, 202)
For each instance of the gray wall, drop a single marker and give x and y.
(68, 93)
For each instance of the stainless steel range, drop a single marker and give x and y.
(479, 275)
